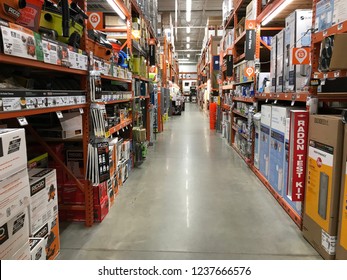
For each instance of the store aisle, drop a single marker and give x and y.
(193, 198)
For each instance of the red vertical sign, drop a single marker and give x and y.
(297, 153)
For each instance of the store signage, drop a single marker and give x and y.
(250, 45)
(249, 72)
(298, 151)
(95, 20)
(301, 56)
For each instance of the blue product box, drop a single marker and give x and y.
(264, 140)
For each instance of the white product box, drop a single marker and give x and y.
(251, 10)
(21, 42)
(340, 11)
(277, 147)
(273, 64)
(50, 51)
(23, 254)
(44, 200)
(77, 60)
(14, 234)
(263, 76)
(14, 195)
(324, 15)
(264, 142)
(50, 233)
(280, 62)
(257, 125)
(12, 103)
(13, 156)
(37, 249)
(297, 34)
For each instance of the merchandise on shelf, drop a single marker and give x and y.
(273, 64)
(263, 82)
(324, 15)
(297, 34)
(257, 127)
(251, 10)
(265, 134)
(341, 242)
(322, 196)
(22, 254)
(280, 62)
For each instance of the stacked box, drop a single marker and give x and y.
(37, 249)
(323, 183)
(265, 133)
(280, 61)
(297, 34)
(273, 64)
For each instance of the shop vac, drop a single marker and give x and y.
(63, 22)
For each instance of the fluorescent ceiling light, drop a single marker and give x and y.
(276, 12)
(188, 39)
(188, 29)
(116, 9)
(188, 10)
(183, 59)
(188, 46)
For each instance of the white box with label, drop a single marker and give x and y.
(13, 156)
(44, 199)
(280, 61)
(273, 64)
(14, 195)
(264, 141)
(14, 234)
(37, 248)
(297, 34)
(23, 254)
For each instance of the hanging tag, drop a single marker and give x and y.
(267, 100)
(340, 26)
(22, 121)
(60, 115)
(81, 110)
(275, 102)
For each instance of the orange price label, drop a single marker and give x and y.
(95, 20)
(251, 24)
(249, 72)
(301, 56)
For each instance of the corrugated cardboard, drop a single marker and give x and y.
(341, 244)
(339, 58)
(323, 181)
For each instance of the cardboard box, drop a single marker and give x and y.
(13, 157)
(341, 244)
(101, 210)
(280, 61)
(251, 10)
(338, 58)
(273, 64)
(75, 162)
(265, 133)
(277, 148)
(50, 233)
(14, 234)
(44, 199)
(23, 254)
(37, 249)
(22, 42)
(71, 194)
(14, 195)
(340, 11)
(323, 182)
(257, 129)
(50, 51)
(324, 15)
(296, 35)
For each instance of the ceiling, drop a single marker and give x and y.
(201, 10)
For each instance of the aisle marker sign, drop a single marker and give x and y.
(95, 20)
(301, 56)
(249, 72)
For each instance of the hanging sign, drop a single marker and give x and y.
(250, 39)
(95, 20)
(301, 56)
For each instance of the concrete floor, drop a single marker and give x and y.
(193, 198)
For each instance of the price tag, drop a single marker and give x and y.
(275, 102)
(337, 74)
(340, 26)
(22, 121)
(315, 76)
(81, 110)
(286, 96)
(292, 104)
(325, 76)
(60, 115)
(325, 32)
(267, 100)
